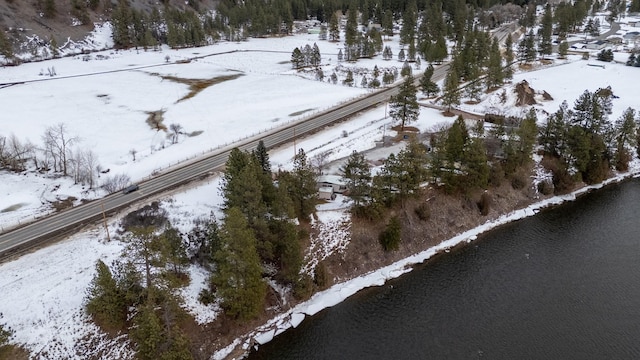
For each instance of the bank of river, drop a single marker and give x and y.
(563, 284)
(340, 292)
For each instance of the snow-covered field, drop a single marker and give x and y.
(42, 293)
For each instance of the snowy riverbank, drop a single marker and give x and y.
(340, 292)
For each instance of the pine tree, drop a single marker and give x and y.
(457, 138)
(439, 50)
(495, 74)
(508, 58)
(104, 301)
(386, 53)
(147, 333)
(348, 80)
(527, 133)
(625, 130)
(474, 86)
(428, 87)
(545, 47)
(409, 22)
(451, 95)
(316, 58)
(174, 251)
(358, 174)
(242, 188)
(563, 49)
(406, 69)
(475, 165)
(351, 27)
(238, 280)
(297, 59)
(404, 106)
(301, 185)
(387, 23)
(287, 250)
(401, 55)
(526, 48)
(334, 27)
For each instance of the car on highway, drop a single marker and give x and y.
(130, 189)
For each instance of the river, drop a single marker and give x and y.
(564, 284)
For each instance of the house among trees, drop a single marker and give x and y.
(335, 182)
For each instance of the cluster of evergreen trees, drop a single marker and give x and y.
(257, 239)
(634, 60)
(306, 56)
(583, 144)
(578, 144)
(138, 293)
(177, 28)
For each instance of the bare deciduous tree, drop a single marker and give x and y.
(58, 144)
(18, 153)
(176, 129)
(115, 183)
(319, 162)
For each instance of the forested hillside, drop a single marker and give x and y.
(29, 25)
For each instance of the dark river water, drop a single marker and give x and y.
(564, 284)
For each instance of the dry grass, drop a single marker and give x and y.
(13, 352)
(197, 85)
(155, 120)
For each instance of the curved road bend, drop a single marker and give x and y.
(66, 222)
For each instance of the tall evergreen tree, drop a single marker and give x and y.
(334, 27)
(451, 95)
(526, 48)
(495, 74)
(625, 130)
(351, 27)
(409, 22)
(475, 165)
(104, 300)
(238, 276)
(404, 106)
(428, 86)
(358, 174)
(508, 58)
(387, 23)
(545, 46)
(301, 185)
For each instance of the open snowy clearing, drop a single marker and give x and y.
(43, 292)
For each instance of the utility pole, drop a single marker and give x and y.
(104, 219)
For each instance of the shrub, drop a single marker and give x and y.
(545, 187)
(390, 237)
(303, 288)
(423, 212)
(519, 180)
(485, 203)
(321, 276)
(496, 174)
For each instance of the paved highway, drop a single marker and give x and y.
(68, 221)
